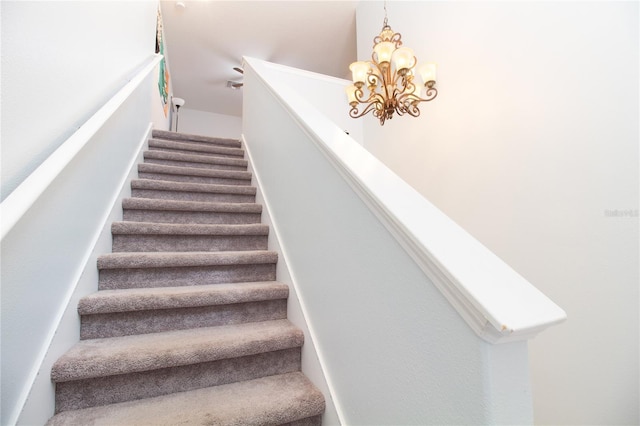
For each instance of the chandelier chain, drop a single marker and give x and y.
(386, 20)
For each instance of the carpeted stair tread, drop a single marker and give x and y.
(194, 171)
(139, 209)
(127, 300)
(194, 158)
(195, 148)
(273, 400)
(128, 354)
(132, 236)
(100, 391)
(150, 228)
(173, 269)
(163, 134)
(161, 185)
(184, 259)
(200, 206)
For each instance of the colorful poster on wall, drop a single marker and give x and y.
(163, 78)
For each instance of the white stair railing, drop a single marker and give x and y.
(368, 252)
(52, 226)
(22, 198)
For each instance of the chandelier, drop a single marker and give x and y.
(389, 80)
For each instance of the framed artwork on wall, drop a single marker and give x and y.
(163, 77)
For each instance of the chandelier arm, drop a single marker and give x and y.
(394, 94)
(431, 94)
(405, 85)
(355, 113)
(372, 80)
(402, 106)
(374, 97)
(408, 87)
(410, 108)
(381, 115)
(373, 56)
(377, 98)
(359, 95)
(408, 103)
(386, 81)
(396, 39)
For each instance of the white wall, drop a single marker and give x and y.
(61, 61)
(327, 95)
(532, 146)
(205, 123)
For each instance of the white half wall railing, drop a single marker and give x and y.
(54, 225)
(22, 198)
(368, 252)
(497, 303)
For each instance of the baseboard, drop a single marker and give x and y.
(312, 365)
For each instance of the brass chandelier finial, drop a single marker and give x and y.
(389, 79)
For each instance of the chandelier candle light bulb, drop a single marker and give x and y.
(359, 71)
(403, 60)
(351, 94)
(383, 51)
(427, 72)
(388, 80)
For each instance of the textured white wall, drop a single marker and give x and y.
(208, 123)
(532, 146)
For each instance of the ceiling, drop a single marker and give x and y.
(204, 40)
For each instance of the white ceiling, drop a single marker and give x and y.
(206, 39)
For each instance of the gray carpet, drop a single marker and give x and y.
(189, 324)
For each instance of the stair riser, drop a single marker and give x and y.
(234, 145)
(157, 243)
(97, 326)
(196, 157)
(193, 196)
(161, 216)
(193, 179)
(196, 164)
(111, 279)
(213, 152)
(195, 145)
(170, 136)
(112, 389)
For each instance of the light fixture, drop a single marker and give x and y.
(389, 79)
(178, 102)
(232, 84)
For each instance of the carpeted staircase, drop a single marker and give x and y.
(189, 325)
